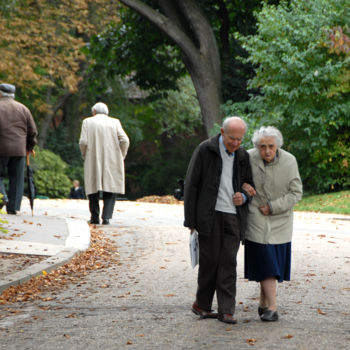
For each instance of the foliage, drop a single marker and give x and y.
(160, 64)
(68, 151)
(335, 202)
(50, 174)
(155, 167)
(304, 82)
(41, 49)
(125, 50)
(162, 140)
(178, 112)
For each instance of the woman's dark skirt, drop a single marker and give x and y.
(263, 261)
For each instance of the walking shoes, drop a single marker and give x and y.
(269, 316)
(262, 310)
(203, 313)
(227, 318)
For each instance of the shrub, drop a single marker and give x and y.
(50, 174)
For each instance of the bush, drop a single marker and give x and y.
(50, 174)
(301, 54)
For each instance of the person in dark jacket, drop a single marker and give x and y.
(18, 134)
(76, 192)
(216, 206)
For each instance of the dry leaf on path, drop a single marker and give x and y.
(320, 311)
(251, 341)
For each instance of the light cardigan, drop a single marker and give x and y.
(277, 183)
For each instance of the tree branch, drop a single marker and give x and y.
(165, 24)
(203, 31)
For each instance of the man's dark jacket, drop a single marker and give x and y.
(202, 186)
(17, 128)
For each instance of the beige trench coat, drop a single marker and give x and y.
(104, 145)
(279, 184)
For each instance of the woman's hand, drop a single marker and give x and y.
(265, 209)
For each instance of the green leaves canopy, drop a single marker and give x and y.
(299, 74)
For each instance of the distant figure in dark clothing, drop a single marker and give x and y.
(18, 134)
(76, 192)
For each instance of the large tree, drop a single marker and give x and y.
(154, 38)
(185, 23)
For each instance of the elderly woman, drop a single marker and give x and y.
(270, 221)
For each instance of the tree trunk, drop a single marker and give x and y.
(45, 126)
(46, 122)
(184, 22)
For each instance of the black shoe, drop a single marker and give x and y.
(105, 222)
(269, 316)
(262, 310)
(12, 212)
(227, 318)
(94, 222)
(203, 313)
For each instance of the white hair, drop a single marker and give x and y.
(7, 94)
(227, 120)
(99, 108)
(267, 131)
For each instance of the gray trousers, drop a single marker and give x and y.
(13, 168)
(218, 263)
(108, 205)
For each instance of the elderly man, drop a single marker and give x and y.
(216, 206)
(17, 139)
(104, 145)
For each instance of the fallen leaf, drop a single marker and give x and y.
(129, 342)
(251, 341)
(169, 295)
(320, 311)
(288, 336)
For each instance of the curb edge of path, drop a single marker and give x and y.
(78, 241)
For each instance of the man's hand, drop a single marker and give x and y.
(238, 199)
(249, 189)
(192, 230)
(265, 209)
(31, 152)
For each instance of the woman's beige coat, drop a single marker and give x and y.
(277, 183)
(104, 145)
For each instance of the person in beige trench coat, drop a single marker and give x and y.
(104, 145)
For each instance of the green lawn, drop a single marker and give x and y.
(336, 202)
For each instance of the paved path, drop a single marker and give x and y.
(144, 302)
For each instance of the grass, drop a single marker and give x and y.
(335, 202)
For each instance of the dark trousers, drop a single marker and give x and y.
(13, 168)
(108, 205)
(217, 264)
